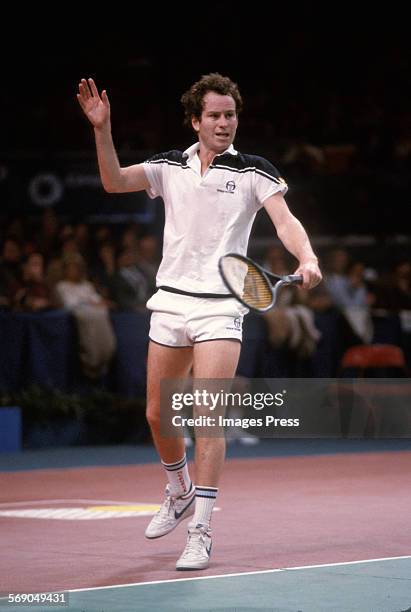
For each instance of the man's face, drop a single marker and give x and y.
(218, 124)
(34, 267)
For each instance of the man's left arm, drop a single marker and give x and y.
(294, 237)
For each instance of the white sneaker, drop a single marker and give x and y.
(173, 510)
(241, 436)
(188, 440)
(249, 440)
(197, 552)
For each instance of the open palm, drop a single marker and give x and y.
(96, 108)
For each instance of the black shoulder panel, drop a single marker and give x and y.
(247, 163)
(174, 156)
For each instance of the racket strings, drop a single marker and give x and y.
(257, 291)
(247, 282)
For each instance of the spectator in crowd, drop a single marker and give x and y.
(102, 233)
(275, 260)
(148, 259)
(394, 297)
(48, 239)
(129, 238)
(34, 294)
(319, 299)
(66, 231)
(96, 337)
(395, 291)
(291, 322)
(10, 273)
(82, 237)
(104, 269)
(130, 287)
(351, 288)
(350, 294)
(336, 263)
(55, 269)
(17, 229)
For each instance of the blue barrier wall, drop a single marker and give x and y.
(42, 349)
(10, 429)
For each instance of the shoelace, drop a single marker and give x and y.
(166, 506)
(195, 543)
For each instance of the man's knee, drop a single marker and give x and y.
(153, 416)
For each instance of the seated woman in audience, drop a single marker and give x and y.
(290, 323)
(96, 337)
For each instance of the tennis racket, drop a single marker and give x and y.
(250, 284)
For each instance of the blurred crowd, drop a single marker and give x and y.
(92, 269)
(59, 264)
(351, 287)
(88, 270)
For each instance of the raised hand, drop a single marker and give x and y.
(96, 108)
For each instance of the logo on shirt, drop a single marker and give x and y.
(229, 187)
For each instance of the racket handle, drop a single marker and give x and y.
(294, 279)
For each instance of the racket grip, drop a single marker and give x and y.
(295, 279)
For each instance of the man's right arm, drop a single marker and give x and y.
(97, 110)
(114, 178)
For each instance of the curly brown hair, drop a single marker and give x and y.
(192, 99)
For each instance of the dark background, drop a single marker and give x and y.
(329, 78)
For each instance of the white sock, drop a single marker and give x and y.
(178, 477)
(205, 499)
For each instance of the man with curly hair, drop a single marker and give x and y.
(211, 195)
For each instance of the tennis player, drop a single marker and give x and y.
(211, 195)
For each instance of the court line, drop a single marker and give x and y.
(38, 502)
(271, 571)
(116, 502)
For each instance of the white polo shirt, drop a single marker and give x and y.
(207, 216)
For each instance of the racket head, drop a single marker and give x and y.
(247, 282)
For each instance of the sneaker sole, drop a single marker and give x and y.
(192, 569)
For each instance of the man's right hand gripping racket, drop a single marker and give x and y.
(250, 284)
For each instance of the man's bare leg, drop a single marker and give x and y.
(213, 360)
(165, 362)
(179, 503)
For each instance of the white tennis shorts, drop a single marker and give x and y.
(182, 320)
